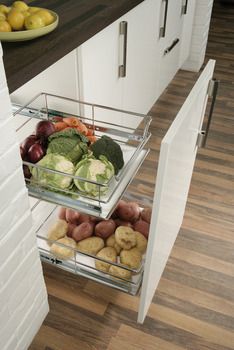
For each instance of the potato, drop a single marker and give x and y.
(72, 216)
(125, 237)
(58, 230)
(91, 245)
(107, 253)
(131, 258)
(62, 252)
(62, 213)
(129, 211)
(120, 272)
(120, 222)
(82, 231)
(142, 227)
(146, 214)
(111, 242)
(141, 244)
(115, 214)
(70, 228)
(105, 228)
(83, 218)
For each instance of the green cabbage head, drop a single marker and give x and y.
(54, 162)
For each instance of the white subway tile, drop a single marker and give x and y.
(11, 344)
(26, 339)
(15, 210)
(5, 103)
(15, 236)
(3, 82)
(7, 135)
(9, 162)
(9, 188)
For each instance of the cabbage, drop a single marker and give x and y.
(98, 170)
(54, 162)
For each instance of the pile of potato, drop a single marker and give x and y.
(121, 239)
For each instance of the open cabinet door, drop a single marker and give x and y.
(177, 157)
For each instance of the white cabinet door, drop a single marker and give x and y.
(98, 61)
(187, 27)
(170, 43)
(177, 156)
(140, 86)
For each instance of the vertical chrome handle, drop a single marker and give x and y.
(212, 92)
(123, 31)
(184, 7)
(162, 30)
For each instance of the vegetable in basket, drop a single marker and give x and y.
(69, 143)
(107, 147)
(99, 170)
(54, 162)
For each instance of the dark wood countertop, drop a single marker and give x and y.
(79, 20)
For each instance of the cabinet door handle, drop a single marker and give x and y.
(123, 31)
(184, 7)
(174, 43)
(162, 30)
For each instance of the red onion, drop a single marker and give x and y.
(35, 153)
(44, 128)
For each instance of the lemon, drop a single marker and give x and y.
(4, 9)
(26, 13)
(5, 26)
(2, 16)
(33, 9)
(34, 21)
(16, 19)
(46, 16)
(20, 5)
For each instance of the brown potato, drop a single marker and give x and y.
(70, 228)
(120, 272)
(72, 216)
(105, 228)
(125, 237)
(146, 214)
(115, 214)
(129, 211)
(82, 231)
(62, 213)
(141, 244)
(142, 227)
(91, 245)
(58, 230)
(111, 242)
(83, 218)
(107, 253)
(131, 258)
(62, 252)
(120, 222)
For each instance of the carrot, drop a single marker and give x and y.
(71, 121)
(82, 128)
(60, 126)
(92, 139)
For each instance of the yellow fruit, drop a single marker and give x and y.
(20, 5)
(16, 19)
(46, 16)
(2, 17)
(25, 13)
(5, 26)
(33, 9)
(4, 9)
(33, 22)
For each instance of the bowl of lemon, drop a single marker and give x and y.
(20, 22)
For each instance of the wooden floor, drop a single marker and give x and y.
(193, 307)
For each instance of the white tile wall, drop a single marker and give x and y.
(23, 296)
(199, 35)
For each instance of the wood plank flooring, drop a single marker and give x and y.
(193, 307)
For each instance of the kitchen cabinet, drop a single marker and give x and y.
(100, 81)
(177, 156)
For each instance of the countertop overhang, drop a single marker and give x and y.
(79, 20)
